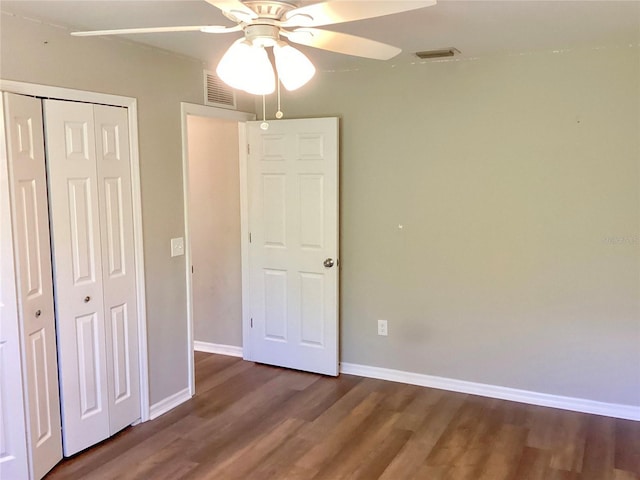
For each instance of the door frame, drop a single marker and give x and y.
(187, 109)
(131, 104)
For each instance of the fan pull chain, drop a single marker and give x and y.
(279, 113)
(264, 125)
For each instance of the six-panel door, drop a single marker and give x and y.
(293, 219)
(91, 212)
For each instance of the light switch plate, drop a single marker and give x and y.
(177, 247)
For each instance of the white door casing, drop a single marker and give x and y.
(27, 179)
(292, 177)
(91, 214)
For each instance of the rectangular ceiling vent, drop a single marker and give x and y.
(217, 93)
(445, 52)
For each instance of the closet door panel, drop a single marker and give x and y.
(27, 171)
(13, 435)
(119, 282)
(75, 218)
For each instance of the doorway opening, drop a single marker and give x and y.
(213, 156)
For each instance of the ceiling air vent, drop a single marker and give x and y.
(445, 52)
(217, 93)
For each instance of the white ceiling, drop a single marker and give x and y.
(476, 28)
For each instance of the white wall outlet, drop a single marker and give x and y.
(177, 247)
(382, 328)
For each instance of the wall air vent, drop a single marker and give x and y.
(445, 52)
(217, 93)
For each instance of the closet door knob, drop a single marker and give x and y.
(38, 313)
(87, 299)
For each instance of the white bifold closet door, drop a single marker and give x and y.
(95, 284)
(28, 189)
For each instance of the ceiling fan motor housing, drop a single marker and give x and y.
(271, 9)
(262, 35)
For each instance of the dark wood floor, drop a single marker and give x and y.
(251, 421)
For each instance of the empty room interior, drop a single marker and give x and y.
(265, 239)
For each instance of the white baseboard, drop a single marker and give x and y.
(220, 349)
(163, 406)
(628, 412)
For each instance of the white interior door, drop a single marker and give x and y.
(73, 192)
(13, 435)
(118, 265)
(292, 176)
(92, 218)
(25, 145)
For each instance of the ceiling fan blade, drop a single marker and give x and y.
(342, 43)
(339, 11)
(127, 31)
(234, 9)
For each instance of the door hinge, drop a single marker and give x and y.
(192, 269)
(252, 323)
(249, 237)
(248, 148)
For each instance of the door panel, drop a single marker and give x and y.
(90, 183)
(293, 220)
(33, 265)
(78, 273)
(311, 211)
(121, 363)
(13, 441)
(81, 221)
(274, 214)
(89, 365)
(119, 281)
(37, 345)
(312, 309)
(113, 224)
(26, 206)
(275, 300)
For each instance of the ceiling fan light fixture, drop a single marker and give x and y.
(294, 68)
(247, 67)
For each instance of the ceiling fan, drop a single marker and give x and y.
(246, 64)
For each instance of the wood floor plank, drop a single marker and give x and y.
(598, 462)
(322, 395)
(360, 444)
(315, 459)
(471, 420)
(627, 447)
(279, 461)
(380, 455)
(505, 452)
(532, 465)
(427, 434)
(570, 438)
(352, 405)
(238, 464)
(255, 422)
(624, 475)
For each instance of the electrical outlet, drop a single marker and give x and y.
(382, 328)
